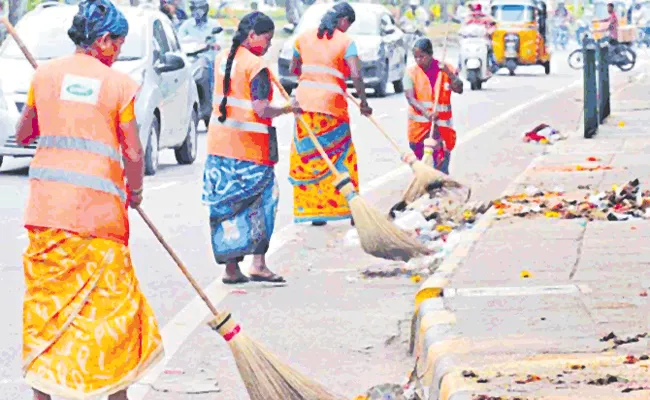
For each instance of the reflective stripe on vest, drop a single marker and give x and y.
(325, 86)
(443, 122)
(75, 143)
(322, 70)
(235, 102)
(77, 179)
(241, 125)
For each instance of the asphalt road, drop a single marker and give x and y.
(172, 200)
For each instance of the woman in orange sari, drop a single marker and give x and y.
(323, 58)
(88, 331)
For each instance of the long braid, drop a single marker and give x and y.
(236, 42)
(330, 20)
(257, 22)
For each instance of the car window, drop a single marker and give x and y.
(159, 37)
(172, 39)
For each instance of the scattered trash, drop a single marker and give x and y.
(592, 159)
(469, 374)
(543, 134)
(621, 124)
(630, 359)
(529, 379)
(644, 293)
(609, 379)
(619, 204)
(619, 342)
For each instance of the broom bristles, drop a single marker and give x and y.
(378, 235)
(264, 375)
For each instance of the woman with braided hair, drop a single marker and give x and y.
(323, 59)
(88, 331)
(239, 183)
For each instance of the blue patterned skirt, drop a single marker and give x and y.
(243, 199)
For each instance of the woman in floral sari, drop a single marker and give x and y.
(323, 58)
(88, 331)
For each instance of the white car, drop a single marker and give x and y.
(167, 104)
(8, 117)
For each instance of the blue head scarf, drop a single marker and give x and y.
(95, 19)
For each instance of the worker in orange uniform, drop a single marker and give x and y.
(239, 183)
(87, 328)
(323, 59)
(420, 83)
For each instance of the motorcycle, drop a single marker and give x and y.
(411, 33)
(474, 55)
(201, 56)
(621, 56)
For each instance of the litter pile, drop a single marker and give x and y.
(543, 134)
(618, 204)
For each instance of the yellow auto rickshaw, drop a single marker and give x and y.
(520, 36)
(626, 30)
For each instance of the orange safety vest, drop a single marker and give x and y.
(76, 177)
(243, 135)
(321, 85)
(418, 125)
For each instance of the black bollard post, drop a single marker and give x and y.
(603, 84)
(590, 89)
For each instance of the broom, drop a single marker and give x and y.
(264, 375)
(378, 236)
(430, 142)
(426, 177)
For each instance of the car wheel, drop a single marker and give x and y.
(382, 86)
(1, 158)
(151, 152)
(398, 86)
(547, 67)
(186, 154)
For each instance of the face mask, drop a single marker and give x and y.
(199, 14)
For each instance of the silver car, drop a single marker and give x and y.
(166, 106)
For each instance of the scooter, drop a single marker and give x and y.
(474, 55)
(561, 37)
(201, 56)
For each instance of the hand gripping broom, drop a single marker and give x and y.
(264, 375)
(378, 236)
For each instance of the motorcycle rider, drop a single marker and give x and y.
(417, 15)
(612, 29)
(562, 18)
(477, 16)
(200, 28)
(173, 12)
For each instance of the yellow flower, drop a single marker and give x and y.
(416, 278)
(552, 214)
(525, 274)
(621, 124)
(443, 228)
(579, 168)
(500, 211)
(544, 141)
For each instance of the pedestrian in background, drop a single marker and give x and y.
(323, 58)
(239, 183)
(87, 328)
(419, 86)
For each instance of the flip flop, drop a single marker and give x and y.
(238, 280)
(273, 278)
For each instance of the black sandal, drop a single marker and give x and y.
(240, 279)
(273, 278)
(319, 223)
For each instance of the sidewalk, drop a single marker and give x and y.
(543, 306)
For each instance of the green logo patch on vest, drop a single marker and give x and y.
(79, 90)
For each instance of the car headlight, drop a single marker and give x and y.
(368, 54)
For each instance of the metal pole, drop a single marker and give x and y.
(603, 84)
(590, 89)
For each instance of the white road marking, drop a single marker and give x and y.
(163, 186)
(23, 236)
(180, 328)
(512, 291)
(380, 116)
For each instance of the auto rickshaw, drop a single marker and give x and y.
(626, 30)
(520, 36)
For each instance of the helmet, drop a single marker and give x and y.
(414, 3)
(199, 3)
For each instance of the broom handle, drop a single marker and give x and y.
(313, 138)
(376, 123)
(19, 42)
(180, 264)
(437, 85)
